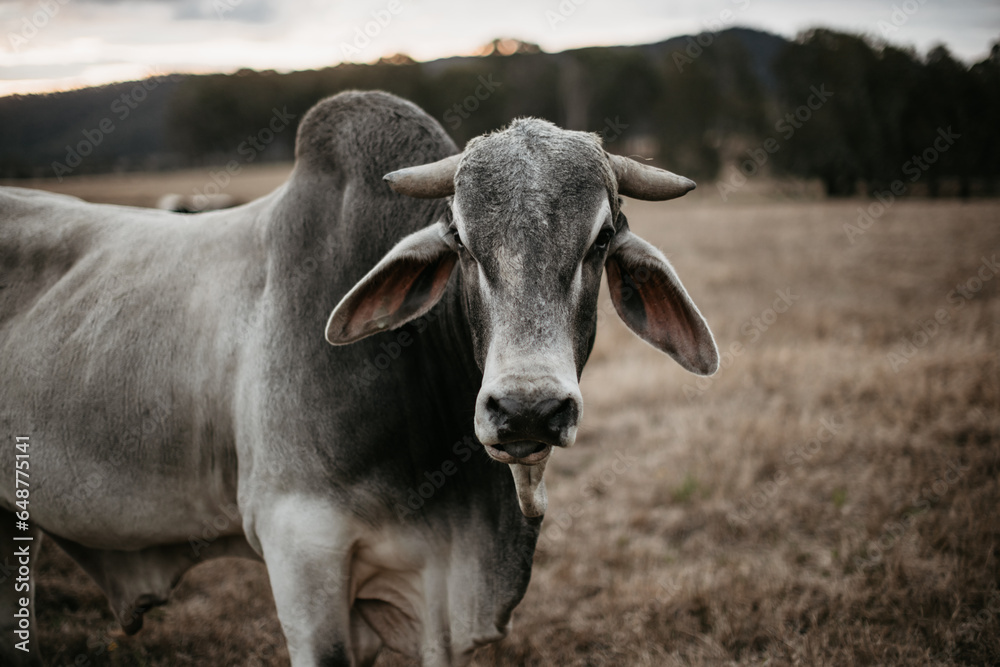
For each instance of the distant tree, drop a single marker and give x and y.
(691, 104)
(842, 140)
(983, 129)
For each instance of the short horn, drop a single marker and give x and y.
(641, 181)
(427, 181)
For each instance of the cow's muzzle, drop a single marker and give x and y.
(523, 427)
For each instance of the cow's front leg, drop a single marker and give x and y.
(307, 547)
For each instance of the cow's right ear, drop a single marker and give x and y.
(650, 299)
(407, 283)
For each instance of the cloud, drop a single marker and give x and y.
(246, 11)
(47, 71)
(225, 35)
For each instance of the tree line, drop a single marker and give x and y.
(729, 105)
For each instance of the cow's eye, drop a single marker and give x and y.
(457, 239)
(604, 238)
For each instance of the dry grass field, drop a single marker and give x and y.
(830, 497)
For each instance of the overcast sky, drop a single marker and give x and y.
(61, 44)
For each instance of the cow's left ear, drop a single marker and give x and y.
(407, 283)
(651, 300)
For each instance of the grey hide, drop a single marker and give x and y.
(182, 402)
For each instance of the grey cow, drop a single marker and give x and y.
(169, 370)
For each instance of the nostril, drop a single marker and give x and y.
(547, 408)
(547, 420)
(558, 415)
(503, 410)
(492, 406)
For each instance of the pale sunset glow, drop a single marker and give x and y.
(50, 45)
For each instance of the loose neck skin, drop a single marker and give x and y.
(321, 238)
(369, 446)
(323, 244)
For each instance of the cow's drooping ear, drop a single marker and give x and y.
(407, 283)
(651, 300)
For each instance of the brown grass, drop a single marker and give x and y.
(740, 532)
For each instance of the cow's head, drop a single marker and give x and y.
(535, 218)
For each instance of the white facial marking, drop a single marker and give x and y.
(510, 265)
(576, 287)
(603, 215)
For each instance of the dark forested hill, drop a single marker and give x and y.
(826, 105)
